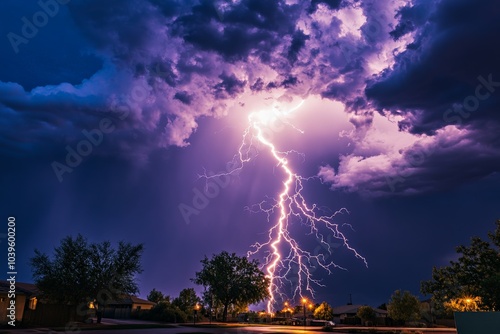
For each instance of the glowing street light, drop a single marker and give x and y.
(304, 302)
(195, 311)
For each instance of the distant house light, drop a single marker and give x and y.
(32, 304)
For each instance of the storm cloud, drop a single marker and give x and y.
(431, 66)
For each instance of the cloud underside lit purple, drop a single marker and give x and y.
(168, 64)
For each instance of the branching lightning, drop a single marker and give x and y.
(288, 265)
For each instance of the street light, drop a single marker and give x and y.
(304, 302)
(195, 310)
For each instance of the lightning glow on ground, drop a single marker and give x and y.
(289, 266)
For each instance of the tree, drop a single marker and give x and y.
(187, 300)
(233, 280)
(323, 311)
(403, 306)
(156, 296)
(366, 313)
(463, 304)
(81, 272)
(476, 274)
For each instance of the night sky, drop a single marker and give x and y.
(399, 125)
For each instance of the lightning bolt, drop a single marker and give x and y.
(288, 265)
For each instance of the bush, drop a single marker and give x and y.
(165, 312)
(403, 307)
(367, 315)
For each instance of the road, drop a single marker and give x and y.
(231, 330)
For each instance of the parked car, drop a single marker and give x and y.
(324, 323)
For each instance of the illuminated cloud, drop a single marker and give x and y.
(173, 62)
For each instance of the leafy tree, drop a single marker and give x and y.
(187, 300)
(403, 306)
(366, 313)
(232, 280)
(156, 296)
(476, 273)
(323, 311)
(80, 272)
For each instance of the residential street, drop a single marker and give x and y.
(231, 330)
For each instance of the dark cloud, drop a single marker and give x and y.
(289, 82)
(331, 4)
(35, 62)
(410, 17)
(444, 88)
(250, 26)
(298, 42)
(230, 86)
(171, 8)
(258, 85)
(169, 63)
(153, 52)
(123, 29)
(435, 163)
(184, 97)
(451, 52)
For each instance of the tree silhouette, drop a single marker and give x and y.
(476, 274)
(232, 280)
(82, 272)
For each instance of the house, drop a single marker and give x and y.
(30, 310)
(123, 307)
(346, 314)
(25, 297)
(426, 310)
